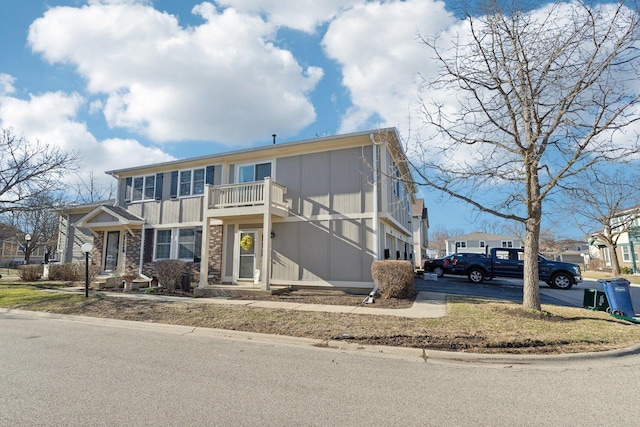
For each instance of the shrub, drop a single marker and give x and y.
(66, 272)
(626, 270)
(169, 271)
(595, 264)
(394, 278)
(30, 273)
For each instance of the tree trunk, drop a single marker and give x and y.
(531, 288)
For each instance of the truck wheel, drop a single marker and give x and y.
(561, 281)
(475, 275)
(438, 271)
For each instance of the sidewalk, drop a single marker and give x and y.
(427, 304)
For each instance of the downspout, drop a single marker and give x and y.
(376, 218)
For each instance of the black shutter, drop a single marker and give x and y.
(209, 175)
(174, 184)
(147, 254)
(159, 179)
(127, 189)
(197, 250)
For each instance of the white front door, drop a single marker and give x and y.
(247, 262)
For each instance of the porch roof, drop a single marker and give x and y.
(109, 217)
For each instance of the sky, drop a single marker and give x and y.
(133, 82)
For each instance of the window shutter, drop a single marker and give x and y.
(174, 184)
(147, 255)
(209, 175)
(197, 249)
(159, 179)
(127, 189)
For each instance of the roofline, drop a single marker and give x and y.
(117, 172)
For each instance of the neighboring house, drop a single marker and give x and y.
(574, 251)
(308, 213)
(628, 241)
(420, 229)
(12, 253)
(480, 243)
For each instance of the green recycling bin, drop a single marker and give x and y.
(595, 300)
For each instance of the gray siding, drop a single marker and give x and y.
(327, 250)
(327, 183)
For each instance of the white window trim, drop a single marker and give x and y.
(626, 254)
(174, 249)
(144, 182)
(191, 185)
(482, 244)
(460, 244)
(242, 165)
(507, 244)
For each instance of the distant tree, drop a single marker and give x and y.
(533, 98)
(29, 170)
(439, 237)
(37, 219)
(606, 207)
(89, 190)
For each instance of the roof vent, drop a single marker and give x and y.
(274, 138)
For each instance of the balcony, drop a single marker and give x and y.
(248, 198)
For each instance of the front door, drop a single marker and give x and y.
(111, 251)
(248, 258)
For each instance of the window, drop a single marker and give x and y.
(507, 244)
(179, 243)
(482, 244)
(143, 188)
(254, 172)
(186, 243)
(626, 253)
(461, 245)
(163, 244)
(191, 182)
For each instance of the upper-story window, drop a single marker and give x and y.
(483, 244)
(141, 188)
(461, 245)
(192, 182)
(507, 244)
(254, 172)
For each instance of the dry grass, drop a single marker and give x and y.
(471, 324)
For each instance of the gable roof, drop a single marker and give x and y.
(106, 216)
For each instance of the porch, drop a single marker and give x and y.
(257, 202)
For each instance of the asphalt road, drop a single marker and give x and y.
(511, 290)
(90, 372)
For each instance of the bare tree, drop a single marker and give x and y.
(39, 220)
(606, 208)
(29, 169)
(525, 100)
(89, 190)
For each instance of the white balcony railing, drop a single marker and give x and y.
(247, 194)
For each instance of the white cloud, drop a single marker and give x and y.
(222, 80)
(377, 46)
(6, 84)
(51, 119)
(303, 15)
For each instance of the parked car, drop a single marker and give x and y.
(508, 262)
(447, 264)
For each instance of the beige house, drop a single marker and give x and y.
(308, 213)
(480, 243)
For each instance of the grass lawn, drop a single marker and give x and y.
(471, 324)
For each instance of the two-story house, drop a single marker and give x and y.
(624, 230)
(308, 213)
(480, 243)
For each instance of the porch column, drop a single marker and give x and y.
(266, 236)
(204, 254)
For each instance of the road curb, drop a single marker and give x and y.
(404, 353)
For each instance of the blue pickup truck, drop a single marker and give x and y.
(508, 262)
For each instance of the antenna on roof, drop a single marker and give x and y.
(274, 138)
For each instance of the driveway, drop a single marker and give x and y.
(511, 290)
